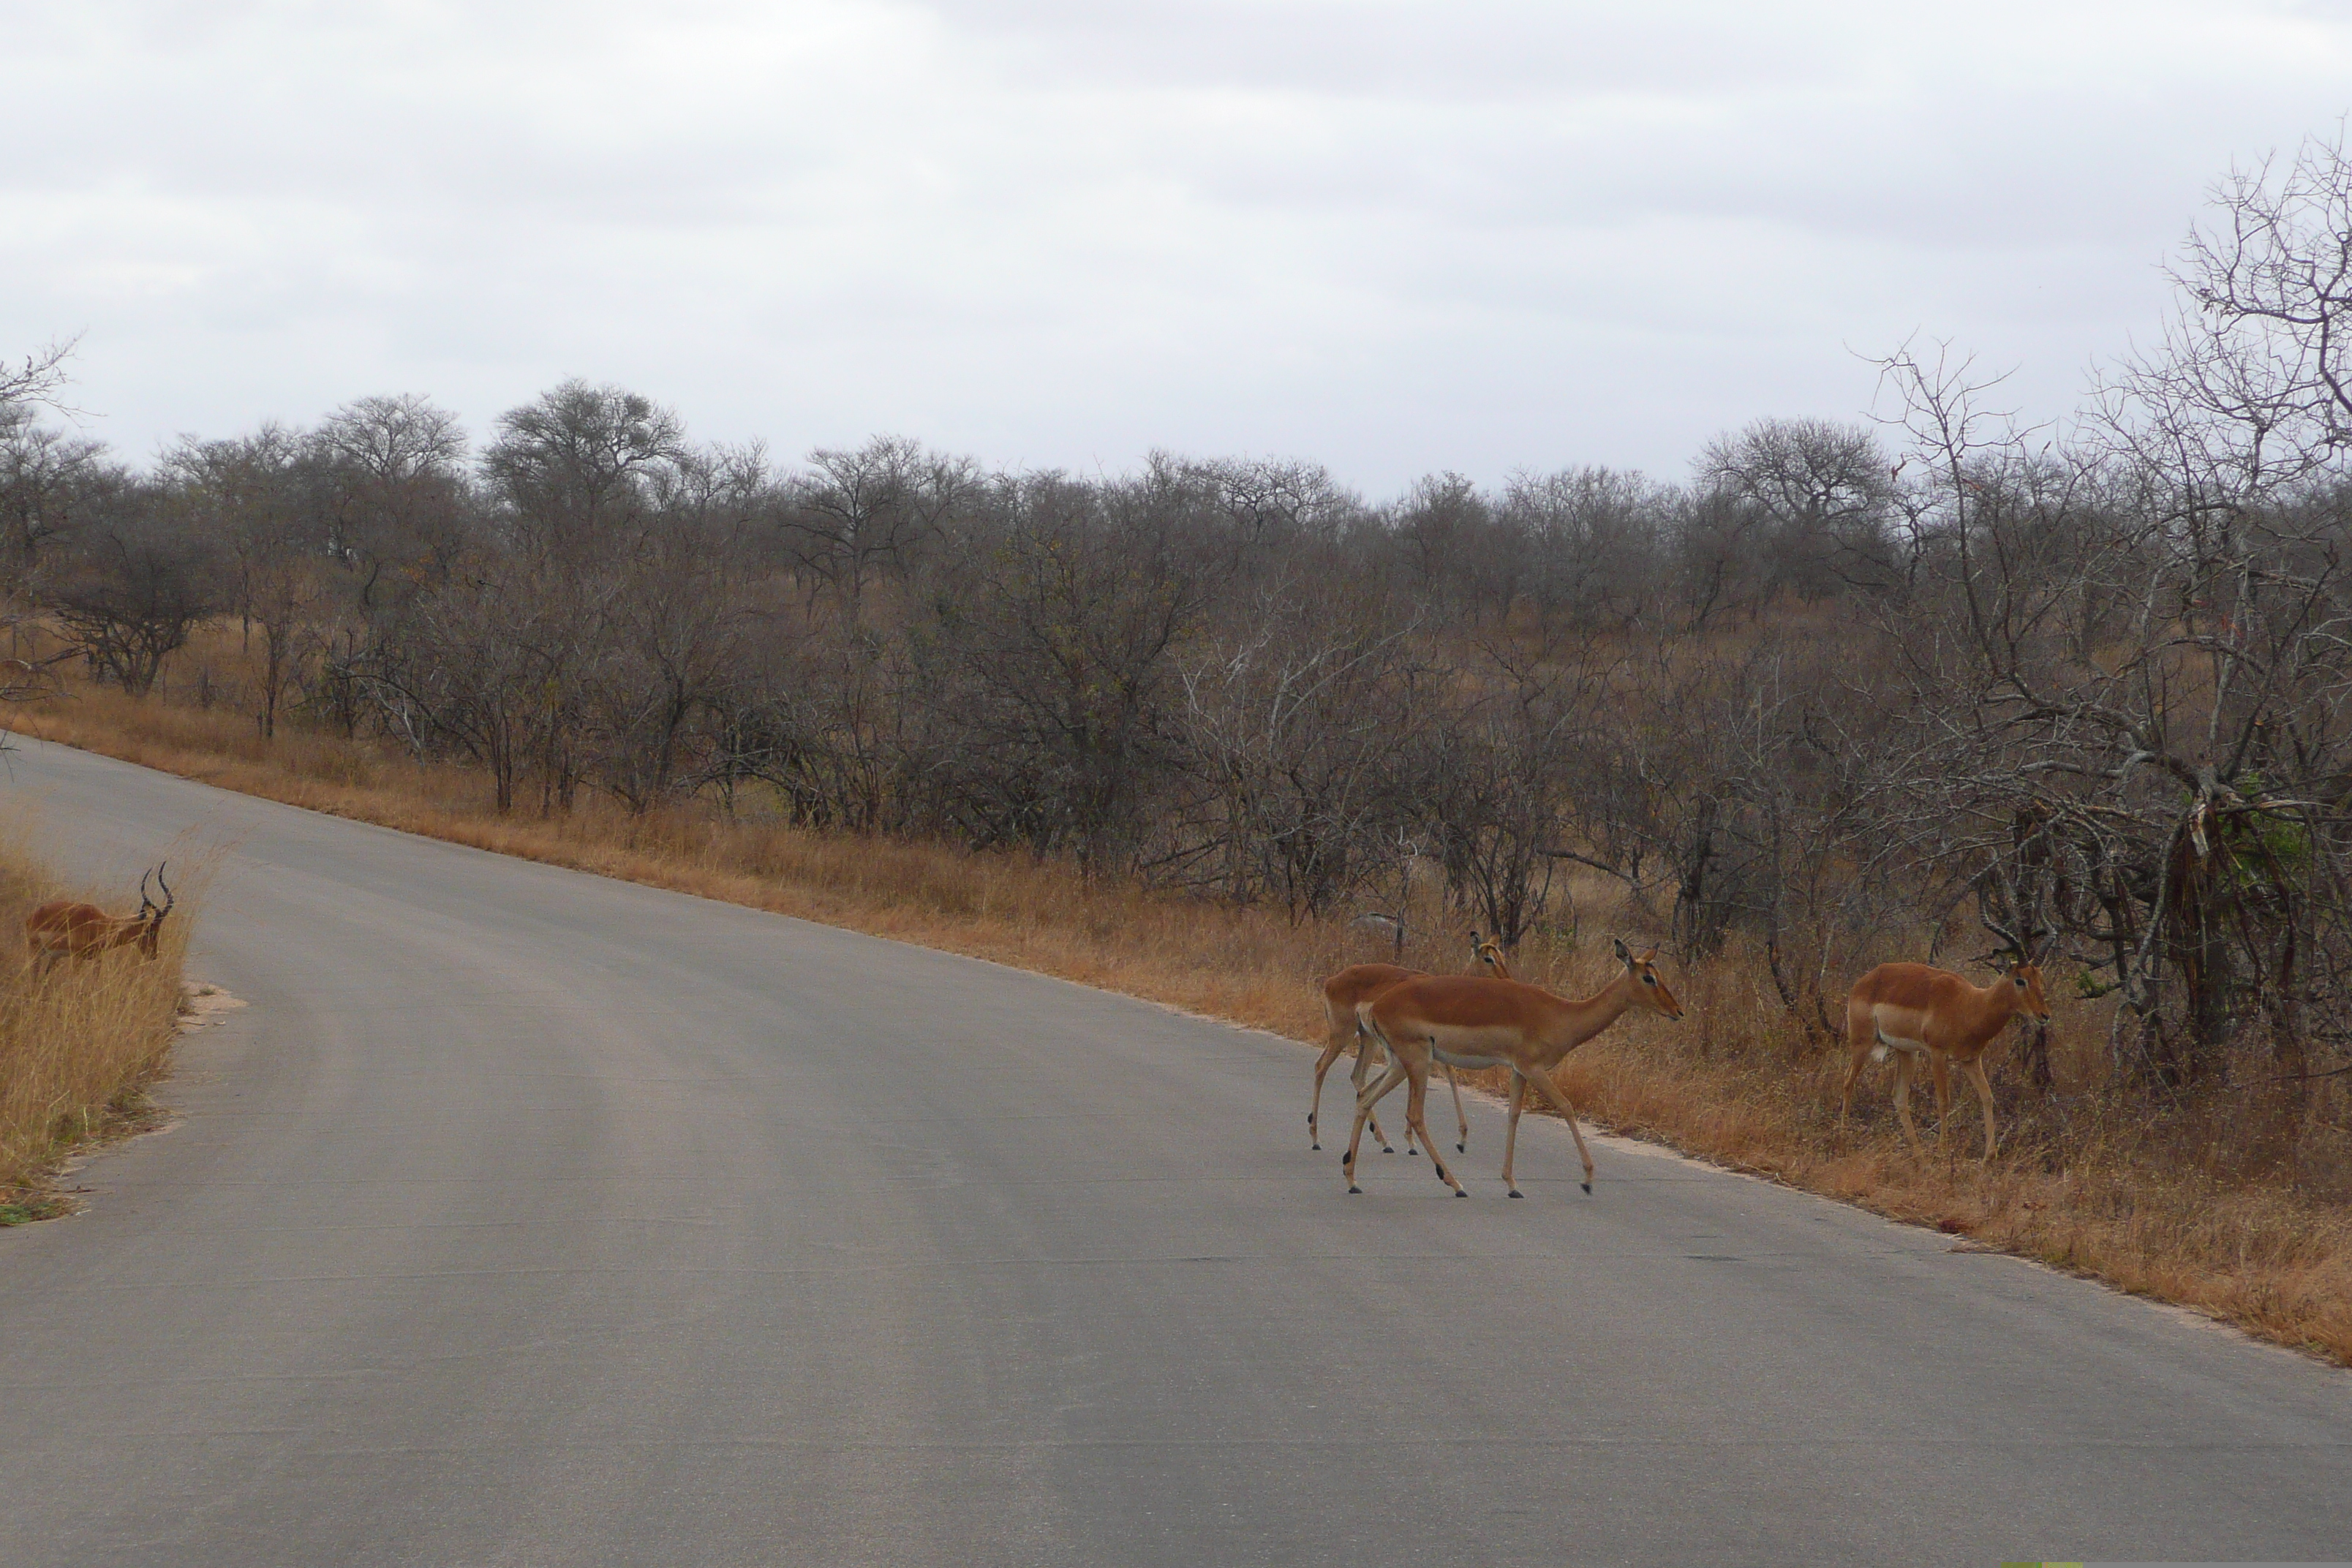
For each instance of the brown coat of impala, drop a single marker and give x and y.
(63, 929)
(1469, 1022)
(1342, 994)
(1915, 1011)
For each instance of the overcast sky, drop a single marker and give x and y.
(1391, 236)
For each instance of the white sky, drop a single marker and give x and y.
(1388, 235)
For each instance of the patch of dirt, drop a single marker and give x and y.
(202, 1004)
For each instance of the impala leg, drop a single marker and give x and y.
(1853, 1070)
(1364, 1103)
(1976, 1072)
(1331, 1049)
(1367, 1053)
(1368, 1048)
(1511, 1132)
(1415, 1102)
(1559, 1098)
(1940, 1070)
(1462, 1145)
(1902, 1101)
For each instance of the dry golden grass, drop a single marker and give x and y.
(78, 1046)
(2104, 1189)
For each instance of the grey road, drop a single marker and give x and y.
(526, 1217)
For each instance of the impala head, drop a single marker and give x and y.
(1643, 973)
(2021, 971)
(1488, 951)
(2026, 977)
(150, 914)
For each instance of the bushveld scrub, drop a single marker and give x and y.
(2173, 1201)
(1824, 704)
(78, 1043)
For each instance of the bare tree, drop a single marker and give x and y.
(1595, 535)
(1819, 492)
(47, 480)
(2260, 349)
(458, 669)
(392, 491)
(40, 379)
(858, 512)
(256, 497)
(1292, 722)
(1056, 644)
(132, 588)
(571, 467)
(670, 654)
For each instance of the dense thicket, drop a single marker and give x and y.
(1838, 693)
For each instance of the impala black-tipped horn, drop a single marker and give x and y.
(2009, 944)
(168, 897)
(145, 903)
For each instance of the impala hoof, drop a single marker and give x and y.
(1588, 1189)
(1415, 1152)
(1460, 1193)
(1315, 1145)
(1462, 1148)
(1352, 1191)
(1516, 1193)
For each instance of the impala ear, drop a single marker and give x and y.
(1649, 955)
(1625, 955)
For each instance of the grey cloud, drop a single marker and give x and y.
(1393, 236)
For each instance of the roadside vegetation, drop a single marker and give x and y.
(1207, 732)
(78, 1043)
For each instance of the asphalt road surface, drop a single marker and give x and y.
(526, 1217)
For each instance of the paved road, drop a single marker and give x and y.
(526, 1218)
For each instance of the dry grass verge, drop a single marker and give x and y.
(2128, 1194)
(78, 1046)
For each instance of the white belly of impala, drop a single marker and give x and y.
(1889, 1039)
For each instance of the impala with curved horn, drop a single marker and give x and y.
(1913, 1011)
(1359, 983)
(63, 929)
(1468, 1021)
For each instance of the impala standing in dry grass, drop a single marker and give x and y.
(1358, 984)
(1915, 1011)
(1470, 1021)
(63, 929)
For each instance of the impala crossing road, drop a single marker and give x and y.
(525, 1217)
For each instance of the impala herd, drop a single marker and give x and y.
(1414, 1020)
(1491, 1020)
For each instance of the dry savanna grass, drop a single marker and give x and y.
(80, 1044)
(2132, 1194)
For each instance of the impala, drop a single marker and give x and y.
(1464, 1021)
(1341, 995)
(1915, 1011)
(63, 929)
